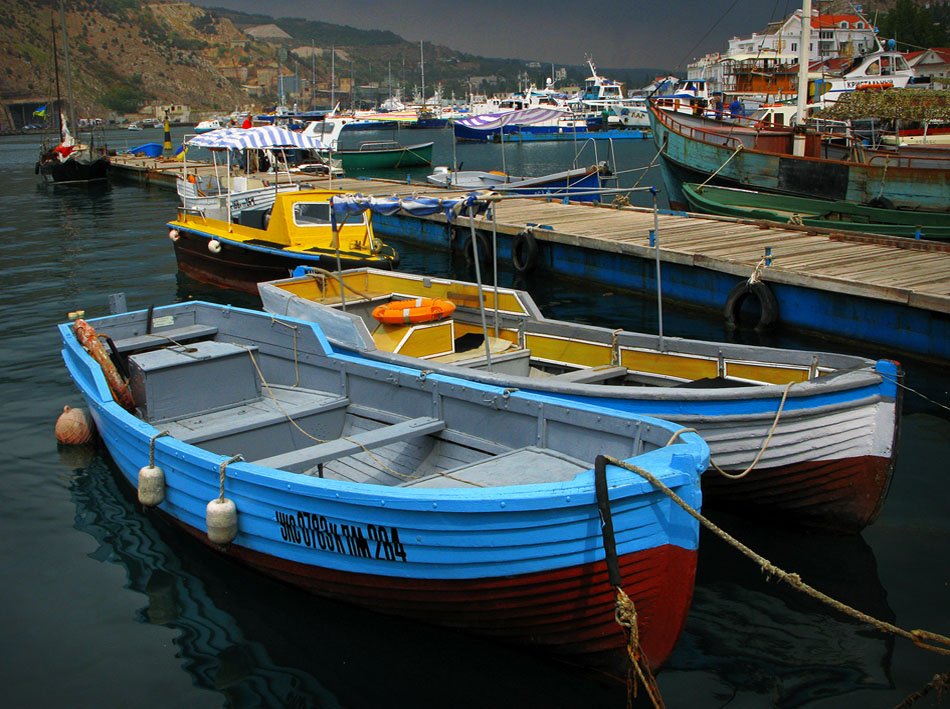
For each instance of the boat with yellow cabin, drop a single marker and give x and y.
(243, 246)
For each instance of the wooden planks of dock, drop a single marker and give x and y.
(905, 271)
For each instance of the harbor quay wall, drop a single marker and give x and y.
(837, 315)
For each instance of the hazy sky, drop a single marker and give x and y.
(616, 33)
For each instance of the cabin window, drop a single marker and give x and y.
(312, 214)
(874, 68)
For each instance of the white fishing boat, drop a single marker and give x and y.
(806, 438)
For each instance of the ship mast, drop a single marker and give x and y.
(69, 82)
(803, 61)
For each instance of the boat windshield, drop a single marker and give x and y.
(312, 214)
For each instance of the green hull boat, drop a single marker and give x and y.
(876, 218)
(385, 154)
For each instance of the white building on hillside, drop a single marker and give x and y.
(776, 48)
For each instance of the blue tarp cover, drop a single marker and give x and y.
(344, 205)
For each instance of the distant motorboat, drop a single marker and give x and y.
(208, 125)
(580, 184)
(378, 154)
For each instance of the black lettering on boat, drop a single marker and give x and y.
(304, 520)
(316, 531)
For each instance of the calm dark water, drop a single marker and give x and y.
(100, 606)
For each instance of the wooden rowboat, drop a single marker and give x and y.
(810, 211)
(812, 435)
(415, 494)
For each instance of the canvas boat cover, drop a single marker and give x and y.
(259, 137)
(527, 117)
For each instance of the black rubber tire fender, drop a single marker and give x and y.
(881, 203)
(524, 252)
(484, 249)
(768, 304)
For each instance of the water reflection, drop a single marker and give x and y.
(762, 638)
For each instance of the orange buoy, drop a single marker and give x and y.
(419, 310)
(73, 427)
(90, 341)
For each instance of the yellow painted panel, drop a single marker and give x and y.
(556, 349)
(388, 337)
(428, 341)
(766, 374)
(667, 364)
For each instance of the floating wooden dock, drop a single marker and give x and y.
(888, 291)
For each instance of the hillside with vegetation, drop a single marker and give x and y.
(126, 54)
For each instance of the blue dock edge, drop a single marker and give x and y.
(844, 317)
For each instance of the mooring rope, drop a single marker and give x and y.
(765, 445)
(296, 365)
(151, 447)
(625, 612)
(728, 160)
(221, 468)
(293, 423)
(922, 638)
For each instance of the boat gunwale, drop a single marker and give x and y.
(74, 356)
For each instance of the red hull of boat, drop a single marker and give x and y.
(841, 496)
(565, 611)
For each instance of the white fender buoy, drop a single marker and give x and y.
(221, 518)
(151, 485)
(173, 234)
(73, 426)
(214, 246)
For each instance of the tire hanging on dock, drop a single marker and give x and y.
(484, 250)
(768, 305)
(524, 252)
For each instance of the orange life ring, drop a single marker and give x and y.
(413, 311)
(878, 85)
(90, 341)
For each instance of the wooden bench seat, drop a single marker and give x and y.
(164, 338)
(302, 459)
(522, 466)
(299, 404)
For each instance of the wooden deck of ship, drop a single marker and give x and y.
(811, 269)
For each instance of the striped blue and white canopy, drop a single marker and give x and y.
(526, 117)
(259, 137)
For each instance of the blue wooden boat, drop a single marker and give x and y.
(408, 492)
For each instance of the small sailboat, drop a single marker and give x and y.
(70, 161)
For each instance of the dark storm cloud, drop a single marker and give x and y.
(642, 33)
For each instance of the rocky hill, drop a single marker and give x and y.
(119, 53)
(125, 54)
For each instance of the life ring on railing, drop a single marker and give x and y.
(89, 340)
(768, 305)
(419, 310)
(524, 252)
